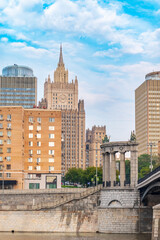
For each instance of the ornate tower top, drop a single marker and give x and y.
(60, 74)
(61, 63)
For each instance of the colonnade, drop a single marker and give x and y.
(109, 151)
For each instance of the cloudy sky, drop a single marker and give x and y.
(109, 45)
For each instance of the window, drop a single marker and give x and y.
(51, 119)
(1, 175)
(1, 167)
(1, 142)
(30, 151)
(1, 125)
(31, 127)
(51, 144)
(51, 168)
(34, 185)
(8, 175)
(38, 135)
(38, 168)
(8, 125)
(9, 117)
(8, 159)
(8, 150)
(9, 133)
(30, 159)
(38, 144)
(1, 134)
(38, 160)
(8, 141)
(31, 119)
(31, 144)
(1, 117)
(8, 166)
(51, 135)
(51, 159)
(51, 128)
(38, 128)
(38, 151)
(1, 150)
(51, 152)
(39, 120)
(29, 167)
(30, 135)
(1, 159)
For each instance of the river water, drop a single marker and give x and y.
(72, 236)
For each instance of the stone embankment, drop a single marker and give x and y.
(75, 212)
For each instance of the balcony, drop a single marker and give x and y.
(9, 128)
(8, 119)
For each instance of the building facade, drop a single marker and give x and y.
(63, 95)
(94, 139)
(147, 113)
(30, 148)
(18, 87)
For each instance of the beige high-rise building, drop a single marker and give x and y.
(94, 139)
(30, 148)
(147, 113)
(63, 95)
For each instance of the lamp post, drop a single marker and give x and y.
(151, 145)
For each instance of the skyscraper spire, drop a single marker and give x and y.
(60, 57)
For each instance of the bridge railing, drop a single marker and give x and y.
(149, 175)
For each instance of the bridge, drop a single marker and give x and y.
(149, 187)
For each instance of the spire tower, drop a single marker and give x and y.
(61, 63)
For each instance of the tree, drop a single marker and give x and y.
(74, 175)
(144, 162)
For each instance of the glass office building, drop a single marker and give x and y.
(18, 87)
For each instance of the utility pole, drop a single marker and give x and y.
(151, 144)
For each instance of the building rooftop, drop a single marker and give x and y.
(17, 71)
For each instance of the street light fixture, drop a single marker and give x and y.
(151, 144)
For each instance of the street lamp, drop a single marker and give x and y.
(151, 145)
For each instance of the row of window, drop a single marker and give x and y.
(38, 135)
(8, 125)
(8, 141)
(8, 150)
(38, 168)
(51, 128)
(8, 117)
(51, 119)
(51, 144)
(51, 152)
(8, 133)
(8, 175)
(38, 160)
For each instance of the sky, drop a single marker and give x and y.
(109, 45)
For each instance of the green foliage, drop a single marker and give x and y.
(144, 162)
(74, 175)
(78, 175)
(127, 165)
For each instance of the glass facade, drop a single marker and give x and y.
(17, 71)
(18, 87)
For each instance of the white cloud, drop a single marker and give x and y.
(4, 39)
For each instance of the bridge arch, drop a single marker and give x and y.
(115, 203)
(157, 184)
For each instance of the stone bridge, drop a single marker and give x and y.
(149, 187)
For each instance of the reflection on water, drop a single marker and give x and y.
(72, 236)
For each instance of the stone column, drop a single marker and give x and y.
(122, 168)
(113, 168)
(104, 169)
(107, 167)
(134, 168)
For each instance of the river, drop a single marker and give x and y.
(72, 236)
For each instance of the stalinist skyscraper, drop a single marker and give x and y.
(63, 95)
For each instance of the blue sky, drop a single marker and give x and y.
(108, 45)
